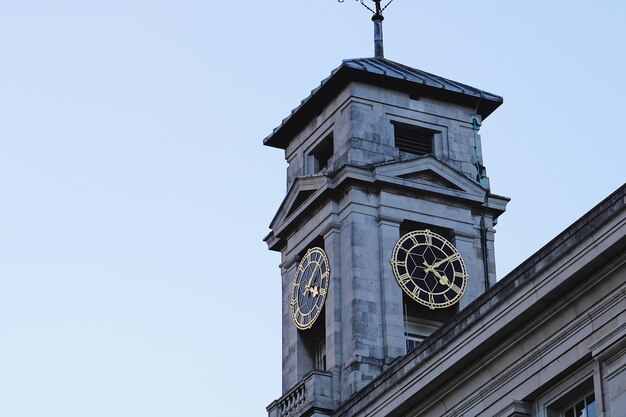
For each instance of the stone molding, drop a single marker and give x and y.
(515, 409)
(613, 343)
(332, 227)
(381, 177)
(392, 221)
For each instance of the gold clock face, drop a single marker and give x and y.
(429, 269)
(309, 288)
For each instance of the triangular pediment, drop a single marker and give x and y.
(430, 177)
(302, 190)
(429, 172)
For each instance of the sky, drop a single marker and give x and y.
(135, 191)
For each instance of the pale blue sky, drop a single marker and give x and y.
(135, 190)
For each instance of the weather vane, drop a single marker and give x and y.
(377, 18)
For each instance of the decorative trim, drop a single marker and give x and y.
(354, 100)
(465, 236)
(610, 344)
(332, 227)
(515, 409)
(382, 218)
(289, 263)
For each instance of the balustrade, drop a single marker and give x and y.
(313, 396)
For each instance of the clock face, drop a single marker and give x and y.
(309, 288)
(429, 269)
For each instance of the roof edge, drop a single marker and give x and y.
(385, 73)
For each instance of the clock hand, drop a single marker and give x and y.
(442, 278)
(438, 263)
(308, 286)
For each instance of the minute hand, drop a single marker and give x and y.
(438, 263)
(308, 285)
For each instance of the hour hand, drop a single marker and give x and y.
(442, 278)
(312, 289)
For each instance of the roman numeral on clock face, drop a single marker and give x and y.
(431, 301)
(455, 288)
(454, 257)
(401, 264)
(405, 278)
(416, 292)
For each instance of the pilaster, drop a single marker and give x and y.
(334, 354)
(390, 292)
(362, 328)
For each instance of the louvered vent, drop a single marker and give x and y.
(413, 139)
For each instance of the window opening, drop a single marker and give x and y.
(578, 401)
(320, 355)
(420, 321)
(584, 407)
(416, 330)
(314, 341)
(322, 154)
(413, 139)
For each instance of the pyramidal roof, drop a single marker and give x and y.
(384, 73)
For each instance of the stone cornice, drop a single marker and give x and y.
(380, 177)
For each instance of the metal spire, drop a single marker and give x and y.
(377, 18)
(378, 31)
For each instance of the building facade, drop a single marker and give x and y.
(390, 300)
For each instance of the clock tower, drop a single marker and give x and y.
(386, 187)
(387, 227)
